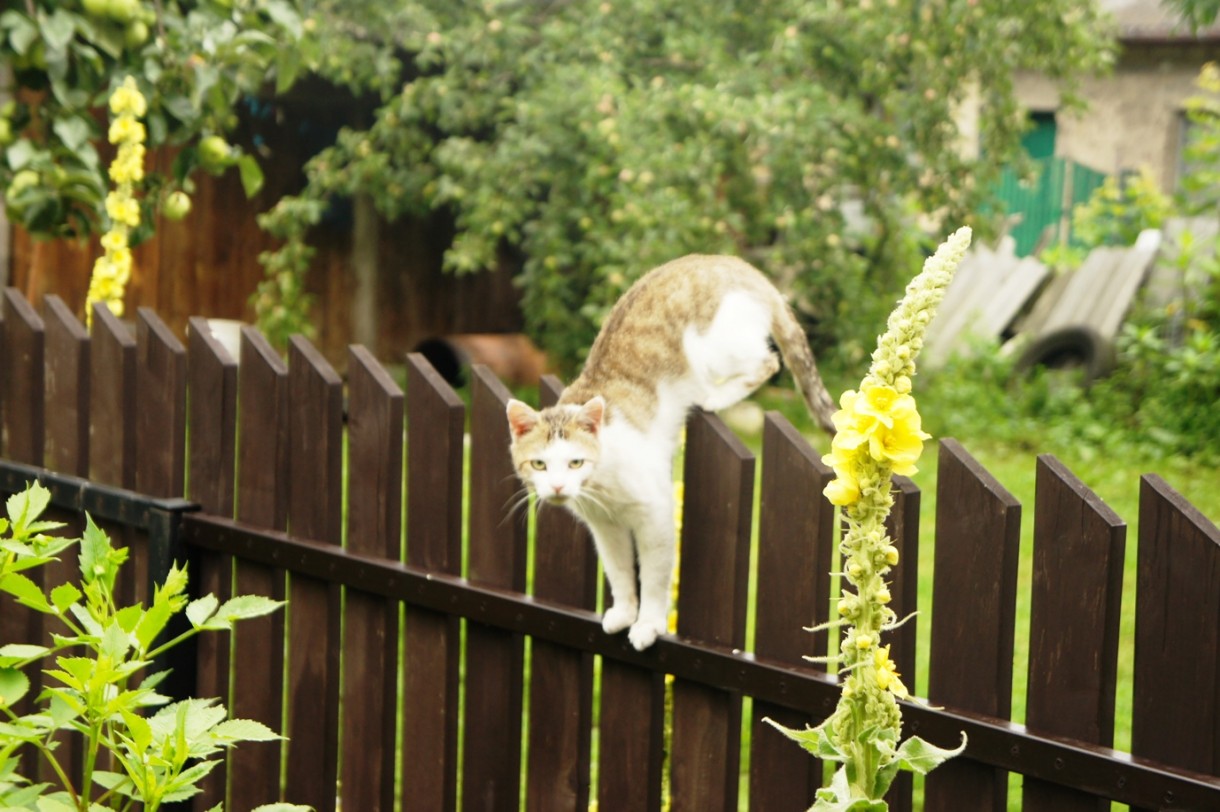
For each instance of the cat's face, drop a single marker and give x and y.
(555, 451)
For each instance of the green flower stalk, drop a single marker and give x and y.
(112, 270)
(878, 434)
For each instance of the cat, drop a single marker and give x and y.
(695, 332)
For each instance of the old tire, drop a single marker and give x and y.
(1073, 348)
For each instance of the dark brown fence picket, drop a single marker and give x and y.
(715, 561)
(315, 493)
(211, 483)
(435, 422)
(974, 587)
(370, 641)
(67, 382)
(22, 392)
(491, 750)
(1079, 545)
(561, 679)
(161, 413)
(795, 546)
(903, 528)
(112, 418)
(24, 380)
(261, 500)
(1176, 714)
(66, 450)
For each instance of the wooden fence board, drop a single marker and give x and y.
(903, 528)
(211, 482)
(435, 422)
(491, 751)
(370, 644)
(112, 431)
(23, 390)
(315, 493)
(973, 611)
(717, 516)
(795, 546)
(261, 500)
(66, 450)
(632, 736)
(1074, 623)
(561, 680)
(161, 415)
(67, 387)
(1176, 713)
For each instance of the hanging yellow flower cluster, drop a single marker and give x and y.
(112, 270)
(878, 434)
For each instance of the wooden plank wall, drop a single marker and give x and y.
(262, 444)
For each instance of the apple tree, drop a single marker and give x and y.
(192, 59)
(588, 140)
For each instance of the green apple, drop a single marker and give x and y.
(214, 153)
(136, 34)
(176, 205)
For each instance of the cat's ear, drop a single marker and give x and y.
(521, 418)
(592, 414)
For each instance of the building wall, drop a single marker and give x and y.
(1134, 116)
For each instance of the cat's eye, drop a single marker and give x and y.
(538, 465)
(574, 464)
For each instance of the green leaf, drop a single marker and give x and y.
(198, 611)
(25, 507)
(22, 651)
(58, 29)
(13, 686)
(248, 730)
(64, 596)
(140, 730)
(815, 740)
(115, 642)
(26, 592)
(244, 607)
(73, 131)
(152, 623)
(918, 756)
(251, 175)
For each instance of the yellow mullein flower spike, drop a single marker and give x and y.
(879, 433)
(112, 270)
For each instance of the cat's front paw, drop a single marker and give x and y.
(644, 633)
(619, 617)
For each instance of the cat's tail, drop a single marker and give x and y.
(798, 357)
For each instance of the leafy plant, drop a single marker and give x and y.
(96, 683)
(192, 60)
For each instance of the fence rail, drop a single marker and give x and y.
(461, 664)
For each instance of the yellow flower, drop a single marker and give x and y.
(128, 100)
(845, 488)
(128, 165)
(126, 129)
(887, 673)
(123, 209)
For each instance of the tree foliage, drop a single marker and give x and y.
(593, 140)
(194, 60)
(585, 140)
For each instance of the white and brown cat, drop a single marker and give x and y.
(695, 332)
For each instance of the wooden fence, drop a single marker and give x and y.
(466, 668)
